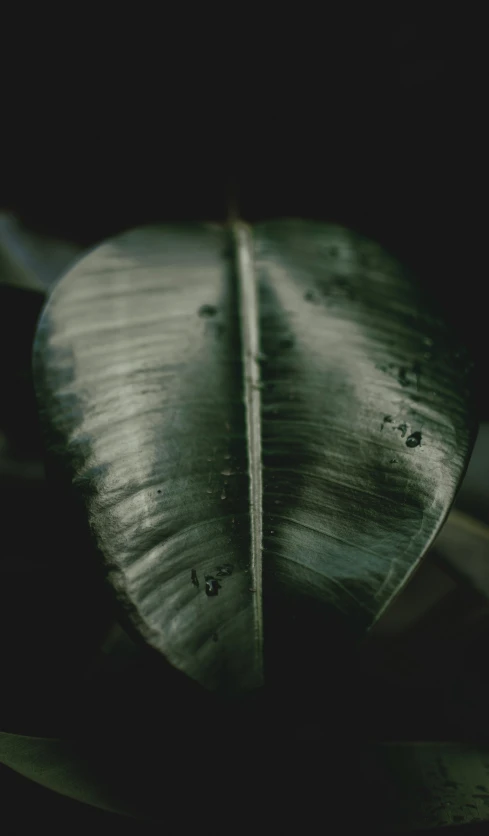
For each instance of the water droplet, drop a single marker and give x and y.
(209, 490)
(223, 494)
(210, 458)
(215, 637)
(402, 377)
(414, 439)
(428, 341)
(194, 578)
(227, 473)
(227, 456)
(272, 532)
(225, 570)
(207, 310)
(277, 501)
(212, 586)
(252, 588)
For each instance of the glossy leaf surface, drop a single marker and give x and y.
(267, 427)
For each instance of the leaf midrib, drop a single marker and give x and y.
(250, 346)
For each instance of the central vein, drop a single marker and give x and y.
(250, 340)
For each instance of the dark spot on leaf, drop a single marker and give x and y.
(385, 367)
(414, 439)
(220, 329)
(481, 787)
(212, 586)
(309, 296)
(341, 284)
(403, 429)
(286, 342)
(392, 461)
(207, 310)
(158, 491)
(402, 377)
(194, 578)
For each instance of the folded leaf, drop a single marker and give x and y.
(267, 428)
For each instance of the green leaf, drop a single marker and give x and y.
(433, 784)
(29, 266)
(397, 787)
(66, 767)
(29, 259)
(266, 426)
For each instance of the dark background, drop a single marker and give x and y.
(374, 121)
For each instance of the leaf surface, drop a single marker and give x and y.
(267, 427)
